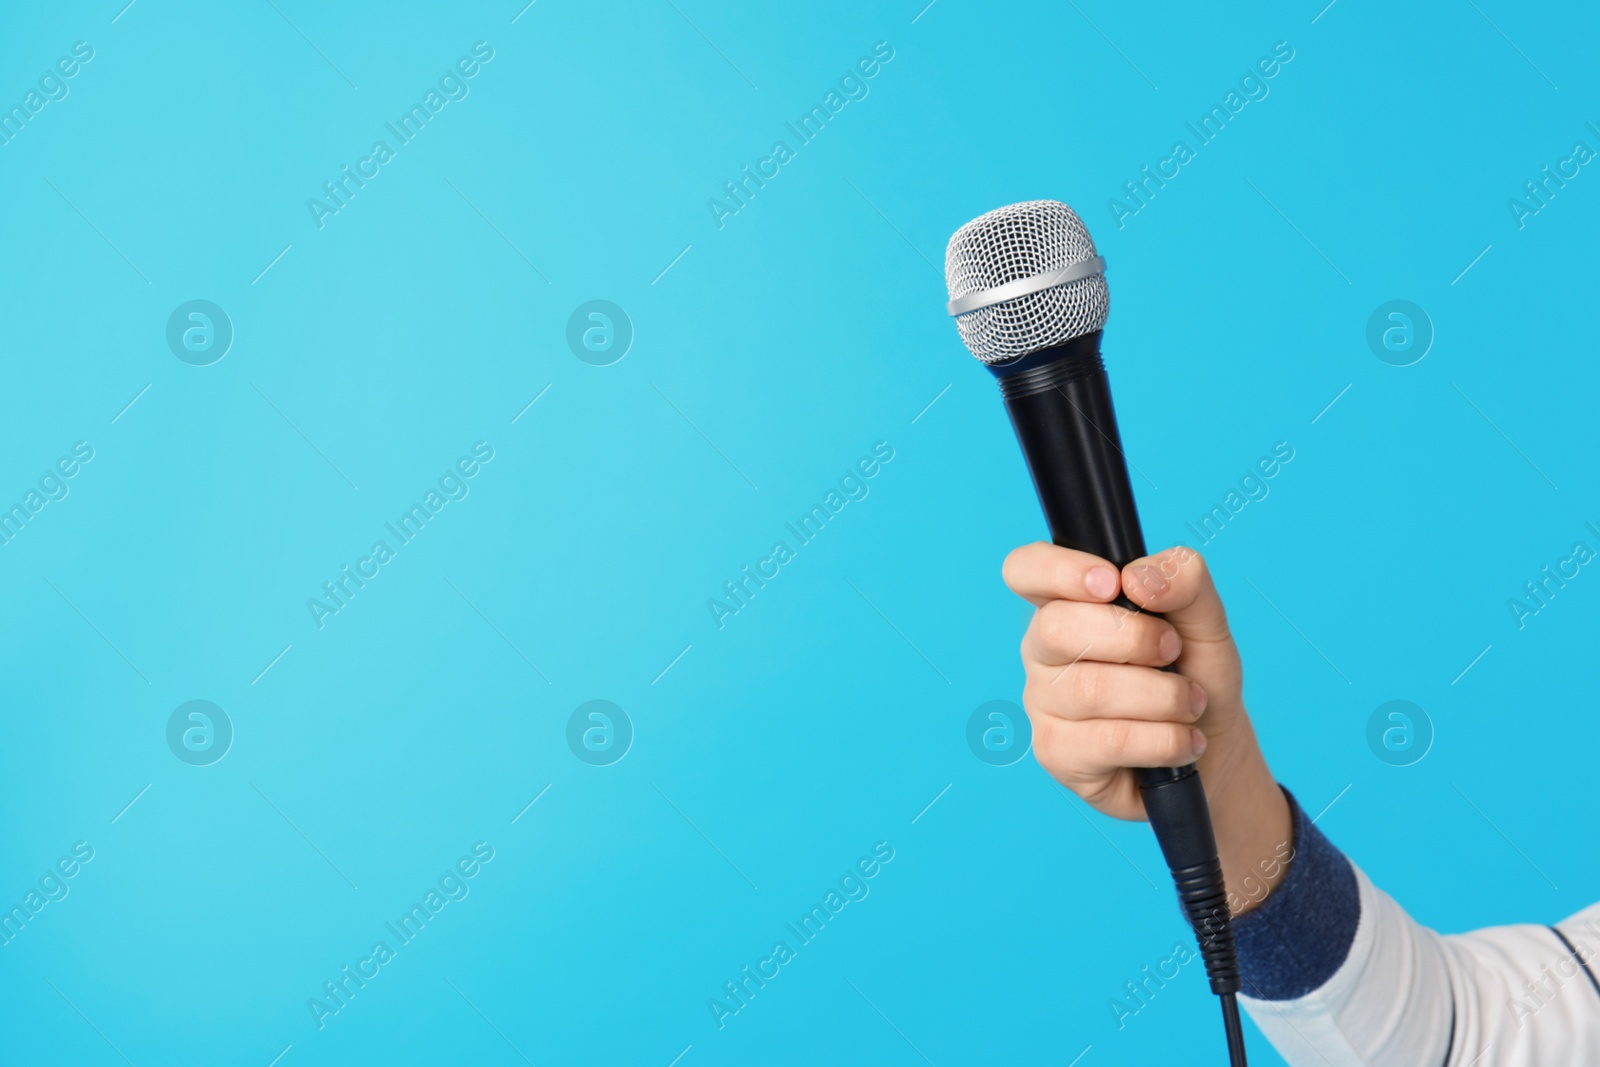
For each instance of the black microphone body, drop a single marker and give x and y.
(1059, 399)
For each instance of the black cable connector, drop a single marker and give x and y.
(1175, 802)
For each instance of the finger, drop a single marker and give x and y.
(1064, 631)
(1115, 793)
(1101, 746)
(1177, 584)
(1041, 572)
(1088, 690)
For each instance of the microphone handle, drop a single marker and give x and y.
(1059, 400)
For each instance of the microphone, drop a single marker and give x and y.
(1028, 293)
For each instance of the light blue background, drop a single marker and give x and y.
(823, 718)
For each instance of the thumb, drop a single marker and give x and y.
(1177, 585)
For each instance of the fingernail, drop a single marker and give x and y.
(1171, 645)
(1100, 581)
(1149, 579)
(1198, 739)
(1197, 700)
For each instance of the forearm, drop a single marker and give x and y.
(1250, 816)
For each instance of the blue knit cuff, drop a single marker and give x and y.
(1301, 934)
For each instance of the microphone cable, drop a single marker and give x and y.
(1235, 1029)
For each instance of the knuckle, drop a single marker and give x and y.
(1036, 642)
(1066, 575)
(1048, 749)
(1047, 623)
(1033, 698)
(1087, 683)
(1146, 644)
(1175, 744)
(1057, 628)
(1117, 736)
(1178, 696)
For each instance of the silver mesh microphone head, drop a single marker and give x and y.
(1022, 278)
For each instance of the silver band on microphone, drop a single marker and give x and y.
(1023, 286)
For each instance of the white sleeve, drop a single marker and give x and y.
(1406, 996)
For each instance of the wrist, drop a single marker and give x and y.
(1251, 819)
